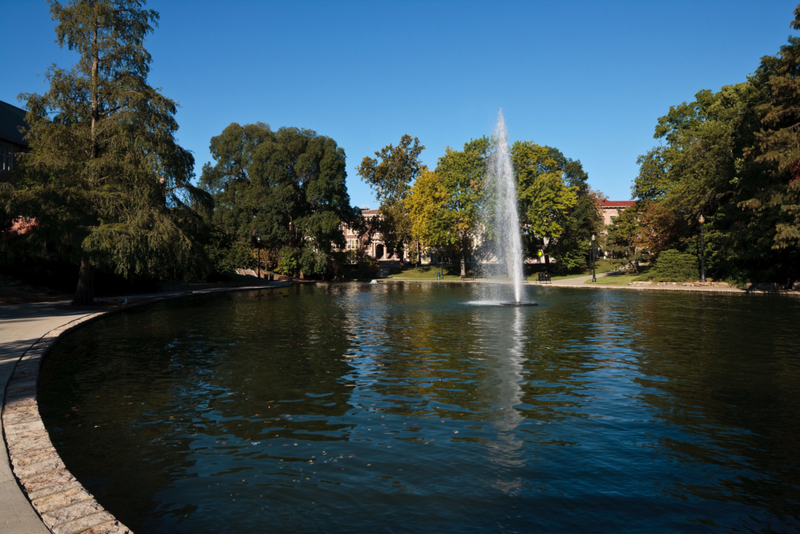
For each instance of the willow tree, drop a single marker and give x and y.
(105, 178)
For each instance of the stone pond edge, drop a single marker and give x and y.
(63, 504)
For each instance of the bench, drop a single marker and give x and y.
(544, 278)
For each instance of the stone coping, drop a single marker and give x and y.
(673, 286)
(63, 504)
(638, 286)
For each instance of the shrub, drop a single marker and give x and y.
(228, 254)
(367, 268)
(673, 266)
(288, 263)
(572, 261)
(313, 263)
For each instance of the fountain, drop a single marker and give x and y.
(507, 243)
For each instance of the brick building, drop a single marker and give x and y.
(612, 208)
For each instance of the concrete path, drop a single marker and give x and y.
(21, 325)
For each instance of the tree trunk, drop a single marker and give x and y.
(95, 91)
(463, 265)
(547, 263)
(84, 294)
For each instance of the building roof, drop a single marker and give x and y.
(617, 203)
(11, 118)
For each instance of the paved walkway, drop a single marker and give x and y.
(22, 326)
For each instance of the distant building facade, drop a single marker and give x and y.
(11, 143)
(376, 248)
(11, 139)
(373, 247)
(612, 208)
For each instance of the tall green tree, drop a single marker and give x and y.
(545, 200)
(286, 187)
(776, 194)
(105, 178)
(390, 176)
(445, 205)
(624, 239)
(705, 166)
(582, 220)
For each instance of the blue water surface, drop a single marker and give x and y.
(410, 407)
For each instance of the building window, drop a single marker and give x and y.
(6, 158)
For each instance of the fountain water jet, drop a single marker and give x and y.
(508, 243)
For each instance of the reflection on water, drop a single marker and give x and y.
(506, 357)
(398, 407)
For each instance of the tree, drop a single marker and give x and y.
(706, 167)
(734, 157)
(286, 187)
(625, 237)
(391, 179)
(544, 199)
(777, 144)
(105, 178)
(582, 220)
(445, 205)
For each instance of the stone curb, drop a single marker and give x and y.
(63, 504)
(695, 289)
(600, 285)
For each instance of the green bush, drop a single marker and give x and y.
(288, 263)
(673, 266)
(364, 269)
(227, 254)
(367, 268)
(573, 261)
(313, 263)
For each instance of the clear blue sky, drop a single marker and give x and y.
(588, 77)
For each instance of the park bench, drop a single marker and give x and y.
(544, 278)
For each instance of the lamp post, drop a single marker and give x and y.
(258, 265)
(546, 241)
(594, 278)
(702, 250)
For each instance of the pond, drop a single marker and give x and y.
(399, 407)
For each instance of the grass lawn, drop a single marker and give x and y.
(601, 266)
(428, 272)
(451, 272)
(621, 279)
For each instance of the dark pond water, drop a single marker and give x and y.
(404, 408)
